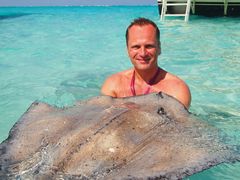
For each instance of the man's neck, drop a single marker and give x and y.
(146, 75)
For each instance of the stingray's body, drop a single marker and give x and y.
(142, 137)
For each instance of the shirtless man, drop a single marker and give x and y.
(144, 47)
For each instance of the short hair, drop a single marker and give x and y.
(143, 22)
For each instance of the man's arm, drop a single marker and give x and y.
(182, 93)
(185, 96)
(176, 87)
(108, 87)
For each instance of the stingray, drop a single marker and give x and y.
(143, 137)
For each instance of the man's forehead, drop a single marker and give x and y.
(142, 29)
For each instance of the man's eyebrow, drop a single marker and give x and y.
(150, 45)
(135, 45)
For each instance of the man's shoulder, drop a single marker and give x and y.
(115, 82)
(175, 85)
(120, 76)
(177, 88)
(171, 78)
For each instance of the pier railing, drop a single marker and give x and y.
(207, 7)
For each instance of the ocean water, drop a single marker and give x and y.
(62, 54)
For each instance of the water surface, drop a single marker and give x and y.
(62, 54)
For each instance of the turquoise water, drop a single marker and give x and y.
(63, 54)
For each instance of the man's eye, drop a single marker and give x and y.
(135, 47)
(150, 46)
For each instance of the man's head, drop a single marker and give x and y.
(143, 22)
(143, 44)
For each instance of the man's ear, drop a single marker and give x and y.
(159, 47)
(127, 50)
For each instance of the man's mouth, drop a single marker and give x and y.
(143, 61)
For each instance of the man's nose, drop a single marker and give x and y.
(143, 51)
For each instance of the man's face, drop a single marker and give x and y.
(143, 47)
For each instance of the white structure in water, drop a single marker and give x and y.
(198, 7)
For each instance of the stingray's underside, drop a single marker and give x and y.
(150, 136)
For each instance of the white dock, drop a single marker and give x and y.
(202, 7)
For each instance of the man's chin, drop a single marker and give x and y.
(143, 67)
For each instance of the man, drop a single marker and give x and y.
(144, 47)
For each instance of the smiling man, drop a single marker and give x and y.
(144, 47)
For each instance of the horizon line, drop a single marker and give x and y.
(79, 5)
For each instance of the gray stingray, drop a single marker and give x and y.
(142, 137)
